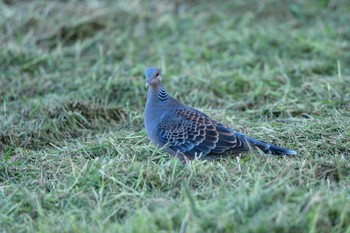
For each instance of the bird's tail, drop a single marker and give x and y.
(266, 147)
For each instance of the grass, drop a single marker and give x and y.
(74, 156)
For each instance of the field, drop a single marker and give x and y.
(74, 156)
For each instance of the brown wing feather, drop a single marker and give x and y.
(191, 132)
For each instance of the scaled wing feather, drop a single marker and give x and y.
(191, 132)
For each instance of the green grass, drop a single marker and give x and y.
(74, 156)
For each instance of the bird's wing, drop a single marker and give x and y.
(191, 132)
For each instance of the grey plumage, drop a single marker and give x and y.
(186, 132)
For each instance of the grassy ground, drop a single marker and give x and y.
(73, 151)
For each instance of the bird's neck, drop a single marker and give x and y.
(158, 93)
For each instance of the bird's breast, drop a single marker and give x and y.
(151, 120)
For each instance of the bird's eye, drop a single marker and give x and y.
(156, 74)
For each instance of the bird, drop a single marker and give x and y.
(188, 133)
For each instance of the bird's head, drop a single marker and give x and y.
(153, 76)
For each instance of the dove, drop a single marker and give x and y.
(188, 133)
